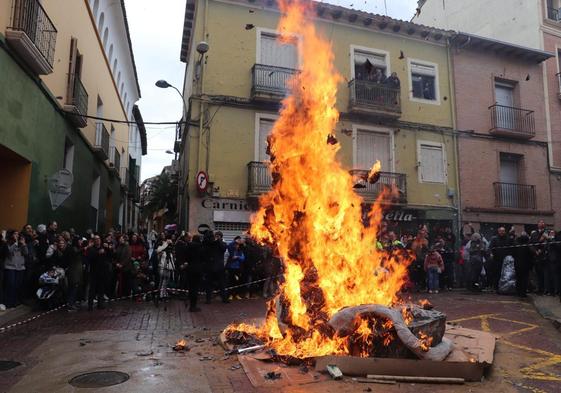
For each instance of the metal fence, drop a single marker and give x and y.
(377, 95)
(271, 79)
(102, 138)
(388, 181)
(516, 196)
(516, 120)
(30, 17)
(259, 178)
(80, 97)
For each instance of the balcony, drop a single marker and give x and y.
(114, 161)
(515, 196)
(512, 122)
(270, 83)
(259, 179)
(558, 76)
(372, 98)
(124, 178)
(101, 145)
(32, 35)
(387, 181)
(77, 105)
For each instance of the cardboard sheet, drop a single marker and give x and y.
(256, 369)
(473, 352)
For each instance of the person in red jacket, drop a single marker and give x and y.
(434, 265)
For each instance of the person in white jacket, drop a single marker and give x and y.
(166, 266)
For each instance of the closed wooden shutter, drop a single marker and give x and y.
(275, 53)
(265, 128)
(72, 70)
(373, 146)
(432, 164)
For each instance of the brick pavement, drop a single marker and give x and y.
(528, 354)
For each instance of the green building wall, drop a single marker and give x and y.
(33, 126)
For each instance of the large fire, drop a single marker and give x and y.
(313, 218)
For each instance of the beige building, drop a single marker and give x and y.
(236, 76)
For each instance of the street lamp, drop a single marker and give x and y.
(169, 152)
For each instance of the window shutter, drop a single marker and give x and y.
(265, 128)
(432, 164)
(72, 70)
(376, 60)
(373, 146)
(275, 53)
(421, 69)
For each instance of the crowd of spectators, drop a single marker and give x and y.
(49, 267)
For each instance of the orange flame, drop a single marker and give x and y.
(312, 217)
(181, 343)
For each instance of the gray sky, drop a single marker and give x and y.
(156, 28)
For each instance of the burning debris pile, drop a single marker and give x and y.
(340, 294)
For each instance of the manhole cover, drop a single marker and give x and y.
(6, 365)
(99, 379)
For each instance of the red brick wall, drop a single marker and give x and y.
(475, 72)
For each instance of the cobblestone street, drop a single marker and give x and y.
(137, 339)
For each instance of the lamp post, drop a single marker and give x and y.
(162, 84)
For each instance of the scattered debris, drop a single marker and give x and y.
(304, 369)
(200, 340)
(236, 367)
(156, 364)
(146, 353)
(271, 375)
(204, 358)
(181, 345)
(367, 390)
(244, 350)
(334, 371)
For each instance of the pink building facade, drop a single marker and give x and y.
(503, 138)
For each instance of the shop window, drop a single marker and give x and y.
(432, 162)
(424, 81)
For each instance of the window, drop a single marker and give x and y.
(68, 160)
(265, 126)
(110, 53)
(553, 11)
(101, 22)
(95, 8)
(369, 64)
(105, 37)
(114, 67)
(372, 145)
(424, 81)
(432, 162)
(275, 53)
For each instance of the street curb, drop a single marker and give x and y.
(545, 312)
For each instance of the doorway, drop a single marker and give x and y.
(15, 176)
(504, 99)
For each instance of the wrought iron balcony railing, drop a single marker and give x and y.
(368, 96)
(124, 177)
(101, 145)
(554, 14)
(259, 179)
(515, 196)
(388, 182)
(31, 23)
(270, 81)
(115, 160)
(514, 122)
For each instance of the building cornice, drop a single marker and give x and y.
(332, 14)
(125, 20)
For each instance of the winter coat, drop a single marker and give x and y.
(497, 246)
(195, 257)
(137, 251)
(432, 260)
(15, 257)
(97, 261)
(215, 250)
(122, 256)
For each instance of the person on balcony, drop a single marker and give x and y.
(393, 81)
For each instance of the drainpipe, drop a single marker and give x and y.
(202, 89)
(455, 134)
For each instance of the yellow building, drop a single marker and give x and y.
(235, 83)
(79, 53)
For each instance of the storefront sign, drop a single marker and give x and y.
(60, 187)
(226, 204)
(399, 215)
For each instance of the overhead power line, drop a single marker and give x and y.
(124, 121)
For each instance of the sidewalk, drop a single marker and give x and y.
(12, 314)
(549, 307)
